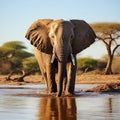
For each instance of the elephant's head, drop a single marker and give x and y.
(62, 39)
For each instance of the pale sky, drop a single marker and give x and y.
(17, 15)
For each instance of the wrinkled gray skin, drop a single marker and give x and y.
(56, 44)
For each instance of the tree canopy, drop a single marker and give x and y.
(106, 27)
(14, 49)
(11, 56)
(109, 34)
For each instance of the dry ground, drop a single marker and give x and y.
(80, 79)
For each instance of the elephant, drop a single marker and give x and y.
(56, 44)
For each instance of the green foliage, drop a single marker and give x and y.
(101, 65)
(5, 52)
(86, 64)
(22, 54)
(12, 55)
(14, 45)
(15, 63)
(30, 63)
(98, 66)
(14, 49)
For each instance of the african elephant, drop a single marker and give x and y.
(56, 44)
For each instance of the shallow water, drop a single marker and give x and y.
(85, 106)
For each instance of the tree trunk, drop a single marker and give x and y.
(108, 69)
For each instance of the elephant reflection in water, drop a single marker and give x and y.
(57, 109)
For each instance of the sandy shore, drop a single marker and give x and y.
(80, 79)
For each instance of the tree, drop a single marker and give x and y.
(14, 49)
(30, 63)
(86, 64)
(109, 34)
(11, 56)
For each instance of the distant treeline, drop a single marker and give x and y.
(97, 65)
(15, 58)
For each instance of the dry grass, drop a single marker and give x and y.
(80, 79)
(99, 79)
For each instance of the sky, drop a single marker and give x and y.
(17, 15)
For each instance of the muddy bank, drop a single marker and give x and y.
(111, 87)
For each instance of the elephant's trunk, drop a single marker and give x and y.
(61, 74)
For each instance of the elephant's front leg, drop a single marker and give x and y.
(71, 76)
(52, 86)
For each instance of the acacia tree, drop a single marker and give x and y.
(12, 54)
(109, 34)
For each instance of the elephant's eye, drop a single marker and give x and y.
(71, 37)
(52, 36)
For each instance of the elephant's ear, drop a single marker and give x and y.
(38, 35)
(84, 36)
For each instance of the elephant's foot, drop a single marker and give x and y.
(52, 94)
(69, 94)
(53, 91)
(50, 91)
(58, 95)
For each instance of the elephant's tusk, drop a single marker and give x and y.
(73, 59)
(53, 58)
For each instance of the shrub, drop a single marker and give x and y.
(5, 67)
(12, 54)
(101, 65)
(30, 64)
(86, 64)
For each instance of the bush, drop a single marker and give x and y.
(86, 64)
(8, 65)
(5, 67)
(101, 65)
(12, 54)
(30, 64)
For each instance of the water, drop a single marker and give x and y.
(93, 106)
